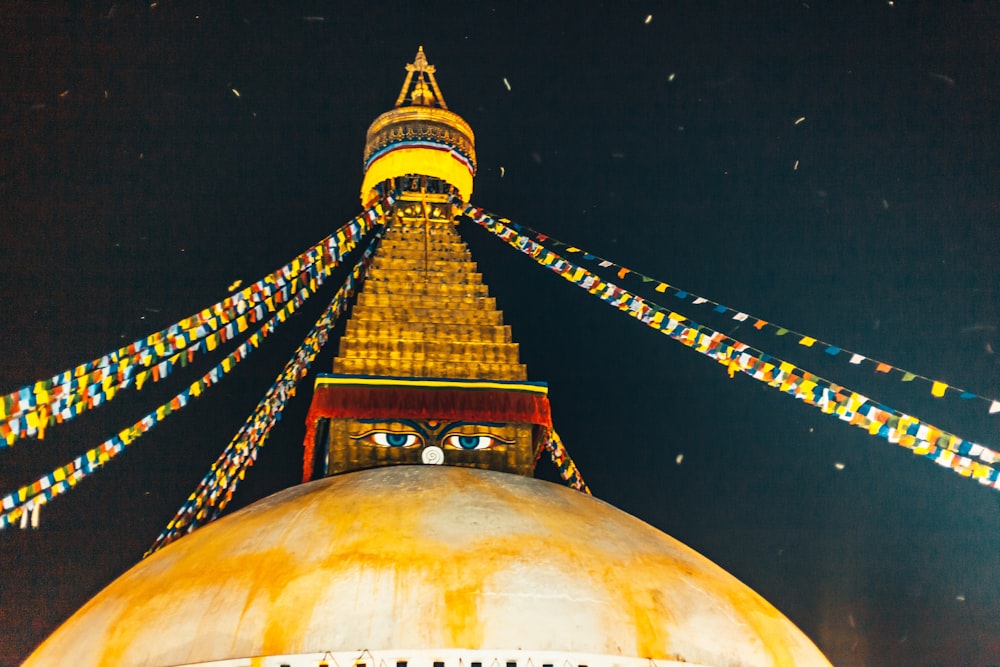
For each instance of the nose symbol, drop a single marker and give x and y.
(432, 455)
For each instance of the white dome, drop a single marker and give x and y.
(420, 559)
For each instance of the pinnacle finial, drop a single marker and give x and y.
(422, 89)
(420, 62)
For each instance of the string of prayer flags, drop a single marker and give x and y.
(937, 388)
(105, 384)
(560, 457)
(59, 481)
(31, 409)
(967, 458)
(217, 487)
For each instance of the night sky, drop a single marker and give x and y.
(136, 185)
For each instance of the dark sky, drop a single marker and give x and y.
(135, 186)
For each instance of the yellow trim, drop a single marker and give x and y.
(453, 384)
(417, 160)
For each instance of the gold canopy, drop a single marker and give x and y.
(419, 136)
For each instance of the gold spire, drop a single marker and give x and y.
(425, 91)
(420, 136)
(427, 372)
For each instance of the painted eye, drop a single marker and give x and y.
(386, 439)
(459, 441)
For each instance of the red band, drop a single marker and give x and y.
(391, 403)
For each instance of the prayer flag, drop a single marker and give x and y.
(883, 367)
(662, 287)
(938, 389)
(807, 341)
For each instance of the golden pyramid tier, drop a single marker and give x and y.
(425, 312)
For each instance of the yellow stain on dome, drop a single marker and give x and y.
(427, 557)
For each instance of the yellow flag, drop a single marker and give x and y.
(938, 388)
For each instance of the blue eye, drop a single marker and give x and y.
(469, 442)
(386, 439)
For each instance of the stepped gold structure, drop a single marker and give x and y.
(425, 311)
(427, 543)
(426, 320)
(424, 331)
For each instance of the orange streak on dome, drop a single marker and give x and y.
(433, 557)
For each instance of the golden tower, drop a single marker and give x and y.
(399, 562)
(426, 344)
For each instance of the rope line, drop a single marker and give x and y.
(938, 388)
(216, 489)
(922, 438)
(65, 477)
(31, 409)
(561, 458)
(31, 496)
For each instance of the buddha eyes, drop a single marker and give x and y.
(387, 439)
(459, 441)
(465, 437)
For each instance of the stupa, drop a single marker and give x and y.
(425, 541)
